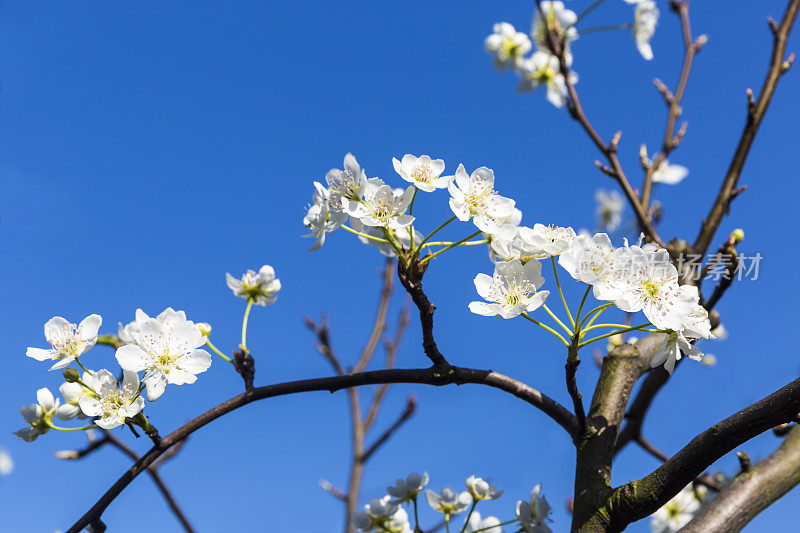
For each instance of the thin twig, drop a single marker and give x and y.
(408, 412)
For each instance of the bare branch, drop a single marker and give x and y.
(408, 412)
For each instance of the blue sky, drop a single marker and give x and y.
(150, 147)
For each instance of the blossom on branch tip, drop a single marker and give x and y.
(347, 187)
(644, 26)
(592, 261)
(38, 415)
(511, 291)
(113, 403)
(423, 172)
(669, 174)
(447, 501)
(383, 515)
(473, 196)
(321, 216)
(407, 489)
(490, 524)
(676, 513)
(261, 287)
(542, 68)
(546, 241)
(506, 45)
(68, 340)
(480, 489)
(384, 206)
(166, 355)
(169, 317)
(533, 515)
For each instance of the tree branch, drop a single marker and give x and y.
(408, 412)
(755, 114)
(752, 492)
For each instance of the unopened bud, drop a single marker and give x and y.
(205, 328)
(71, 375)
(66, 454)
(738, 235)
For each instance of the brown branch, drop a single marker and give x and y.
(391, 353)
(653, 383)
(379, 325)
(427, 376)
(671, 140)
(703, 479)
(571, 371)
(642, 497)
(411, 280)
(755, 114)
(408, 412)
(609, 150)
(752, 492)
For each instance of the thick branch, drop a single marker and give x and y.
(643, 497)
(428, 376)
(755, 114)
(750, 493)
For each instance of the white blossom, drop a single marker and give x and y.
(694, 325)
(385, 207)
(490, 524)
(669, 174)
(169, 317)
(71, 392)
(423, 172)
(166, 355)
(480, 489)
(6, 463)
(533, 515)
(676, 513)
(610, 206)
(407, 489)
(542, 68)
(546, 241)
(347, 187)
(559, 18)
(38, 415)
(512, 290)
(382, 514)
(447, 501)
(112, 403)
(473, 196)
(68, 340)
(506, 45)
(261, 288)
(321, 218)
(592, 261)
(644, 26)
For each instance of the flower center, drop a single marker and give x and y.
(422, 173)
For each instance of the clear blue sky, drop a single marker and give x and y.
(149, 147)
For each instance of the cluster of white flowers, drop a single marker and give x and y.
(508, 47)
(377, 212)
(679, 511)
(166, 348)
(386, 514)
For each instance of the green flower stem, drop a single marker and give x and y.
(416, 515)
(216, 351)
(447, 522)
(545, 326)
(411, 211)
(624, 330)
(244, 322)
(471, 509)
(589, 328)
(80, 381)
(599, 309)
(370, 237)
(83, 367)
(560, 323)
(49, 423)
(492, 527)
(457, 243)
(561, 293)
(448, 243)
(583, 301)
(585, 12)
(610, 27)
(431, 234)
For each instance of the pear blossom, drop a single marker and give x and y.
(347, 187)
(506, 45)
(71, 392)
(382, 514)
(669, 174)
(592, 261)
(68, 340)
(490, 524)
(321, 218)
(610, 206)
(166, 355)
(423, 172)
(447, 501)
(676, 513)
(480, 489)
(473, 196)
(533, 515)
(407, 489)
(38, 415)
(261, 288)
(644, 26)
(384, 206)
(542, 68)
(559, 18)
(6, 463)
(512, 290)
(113, 403)
(169, 317)
(695, 325)
(547, 241)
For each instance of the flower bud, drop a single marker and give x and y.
(66, 454)
(738, 235)
(71, 375)
(205, 328)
